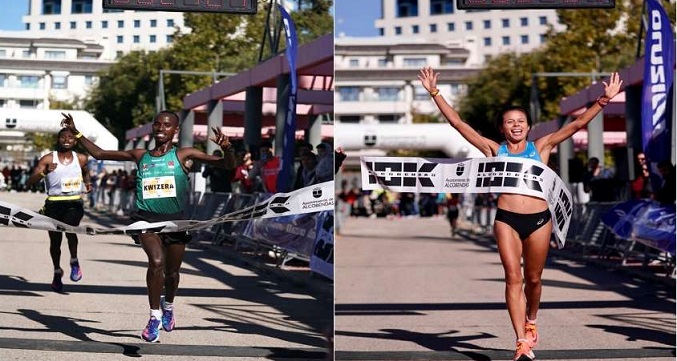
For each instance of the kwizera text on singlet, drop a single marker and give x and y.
(161, 183)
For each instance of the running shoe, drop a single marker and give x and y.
(168, 320)
(523, 351)
(152, 331)
(76, 271)
(531, 333)
(57, 285)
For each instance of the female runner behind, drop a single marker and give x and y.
(522, 225)
(161, 188)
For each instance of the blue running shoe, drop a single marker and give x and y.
(76, 271)
(168, 320)
(57, 284)
(152, 331)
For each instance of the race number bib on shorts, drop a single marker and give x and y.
(159, 187)
(69, 185)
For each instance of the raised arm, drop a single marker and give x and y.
(45, 165)
(428, 79)
(228, 160)
(550, 141)
(93, 149)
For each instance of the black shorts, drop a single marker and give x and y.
(167, 238)
(69, 212)
(524, 224)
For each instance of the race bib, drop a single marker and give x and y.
(70, 185)
(159, 187)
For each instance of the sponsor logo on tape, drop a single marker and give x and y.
(401, 174)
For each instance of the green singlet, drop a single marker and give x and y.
(161, 183)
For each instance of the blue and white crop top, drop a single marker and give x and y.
(529, 152)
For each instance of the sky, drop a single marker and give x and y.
(356, 17)
(353, 17)
(12, 11)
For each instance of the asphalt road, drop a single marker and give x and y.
(228, 307)
(405, 290)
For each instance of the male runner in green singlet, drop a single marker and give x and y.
(161, 188)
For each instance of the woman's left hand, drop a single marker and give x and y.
(220, 138)
(614, 85)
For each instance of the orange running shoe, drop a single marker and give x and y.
(524, 352)
(531, 333)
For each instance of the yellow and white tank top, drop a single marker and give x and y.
(66, 179)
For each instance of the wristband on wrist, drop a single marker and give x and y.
(79, 135)
(434, 93)
(603, 100)
(43, 175)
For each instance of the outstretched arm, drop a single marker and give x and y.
(548, 142)
(94, 150)
(428, 79)
(228, 160)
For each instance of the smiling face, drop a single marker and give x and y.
(515, 126)
(66, 140)
(165, 127)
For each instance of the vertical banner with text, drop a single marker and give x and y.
(287, 165)
(659, 65)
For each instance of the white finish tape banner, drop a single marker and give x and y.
(315, 198)
(475, 175)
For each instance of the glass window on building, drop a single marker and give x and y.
(414, 62)
(468, 25)
(119, 39)
(381, 32)
(505, 23)
(118, 54)
(59, 82)
(543, 20)
(3, 53)
(349, 118)
(51, 7)
(121, 23)
(505, 40)
(354, 63)
(388, 118)
(55, 54)
(136, 39)
(398, 30)
(451, 27)
(88, 24)
(28, 81)
(524, 39)
(57, 25)
(487, 24)
(169, 39)
(170, 23)
(455, 89)
(28, 103)
(28, 26)
(524, 21)
(487, 41)
(73, 25)
(153, 38)
(42, 26)
(89, 80)
(420, 93)
(382, 62)
(349, 93)
(414, 29)
(104, 24)
(543, 38)
(433, 28)
(386, 94)
(407, 8)
(137, 23)
(81, 7)
(3, 80)
(25, 54)
(153, 23)
(438, 7)
(2, 102)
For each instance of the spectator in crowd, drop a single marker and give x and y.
(339, 157)
(266, 168)
(303, 148)
(666, 193)
(219, 178)
(325, 163)
(642, 163)
(66, 178)
(641, 186)
(598, 181)
(453, 205)
(241, 176)
(309, 173)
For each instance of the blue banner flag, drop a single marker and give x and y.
(287, 164)
(659, 65)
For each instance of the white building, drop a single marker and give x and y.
(483, 32)
(118, 31)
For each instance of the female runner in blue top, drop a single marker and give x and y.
(161, 188)
(522, 225)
